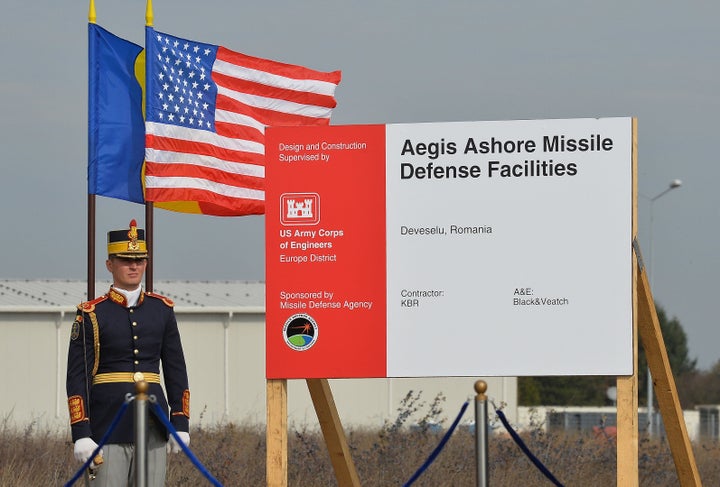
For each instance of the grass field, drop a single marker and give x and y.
(235, 455)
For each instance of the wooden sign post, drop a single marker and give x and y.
(333, 433)
(663, 381)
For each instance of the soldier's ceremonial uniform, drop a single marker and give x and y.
(116, 340)
(111, 346)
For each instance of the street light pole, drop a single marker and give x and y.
(675, 183)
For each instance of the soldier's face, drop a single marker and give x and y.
(127, 273)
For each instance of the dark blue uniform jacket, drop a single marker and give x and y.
(107, 337)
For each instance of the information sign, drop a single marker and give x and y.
(450, 249)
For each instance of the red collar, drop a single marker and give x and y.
(119, 298)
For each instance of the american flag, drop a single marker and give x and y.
(206, 113)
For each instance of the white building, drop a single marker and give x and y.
(223, 332)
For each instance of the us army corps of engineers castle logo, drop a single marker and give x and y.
(300, 209)
(300, 332)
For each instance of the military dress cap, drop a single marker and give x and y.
(128, 243)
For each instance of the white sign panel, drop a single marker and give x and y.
(509, 245)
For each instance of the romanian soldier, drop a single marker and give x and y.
(116, 340)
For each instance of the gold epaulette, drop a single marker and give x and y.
(89, 306)
(165, 300)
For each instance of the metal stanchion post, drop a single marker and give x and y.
(141, 467)
(481, 433)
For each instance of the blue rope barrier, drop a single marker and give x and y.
(104, 439)
(526, 450)
(438, 448)
(160, 414)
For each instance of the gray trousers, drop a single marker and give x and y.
(118, 468)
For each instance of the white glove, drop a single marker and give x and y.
(84, 447)
(173, 446)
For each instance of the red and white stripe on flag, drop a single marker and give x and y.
(207, 109)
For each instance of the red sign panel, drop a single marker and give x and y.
(325, 235)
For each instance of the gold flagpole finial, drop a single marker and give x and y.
(149, 14)
(92, 16)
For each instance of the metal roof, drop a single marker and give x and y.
(59, 292)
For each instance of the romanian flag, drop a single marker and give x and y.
(116, 130)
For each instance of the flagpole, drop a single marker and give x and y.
(92, 16)
(149, 216)
(148, 14)
(91, 213)
(91, 248)
(149, 225)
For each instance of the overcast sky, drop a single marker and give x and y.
(402, 61)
